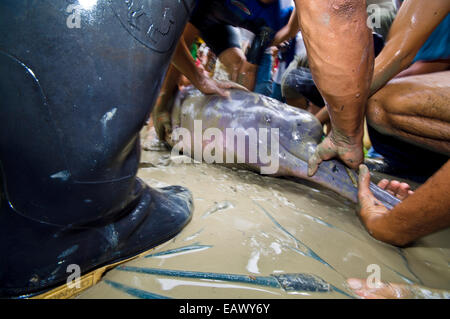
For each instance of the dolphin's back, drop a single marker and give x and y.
(297, 127)
(299, 134)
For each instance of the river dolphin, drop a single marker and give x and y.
(245, 113)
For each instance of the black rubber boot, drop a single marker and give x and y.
(77, 82)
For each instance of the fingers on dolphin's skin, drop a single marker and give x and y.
(399, 190)
(223, 92)
(313, 164)
(221, 88)
(364, 193)
(395, 188)
(369, 204)
(234, 85)
(381, 291)
(323, 152)
(383, 183)
(352, 162)
(404, 191)
(214, 87)
(359, 287)
(225, 86)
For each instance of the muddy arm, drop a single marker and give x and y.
(342, 75)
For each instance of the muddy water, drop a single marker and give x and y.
(248, 231)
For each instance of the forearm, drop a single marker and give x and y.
(184, 62)
(323, 115)
(425, 67)
(289, 31)
(414, 23)
(342, 75)
(168, 89)
(424, 212)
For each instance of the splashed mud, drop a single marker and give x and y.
(265, 237)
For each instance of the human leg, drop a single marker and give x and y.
(415, 110)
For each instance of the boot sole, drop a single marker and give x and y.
(66, 291)
(86, 281)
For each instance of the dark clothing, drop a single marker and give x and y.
(214, 19)
(438, 43)
(404, 159)
(299, 82)
(219, 37)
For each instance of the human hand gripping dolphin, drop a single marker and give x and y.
(185, 64)
(341, 56)
(336, 145)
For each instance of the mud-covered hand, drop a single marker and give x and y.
(162, 113)
(350, 152)
(183, 61)
(162, 123)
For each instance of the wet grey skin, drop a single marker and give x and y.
(299, 134)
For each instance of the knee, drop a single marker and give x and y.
(386, 104)
(376, 113)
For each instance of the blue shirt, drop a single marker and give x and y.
(438, 44)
